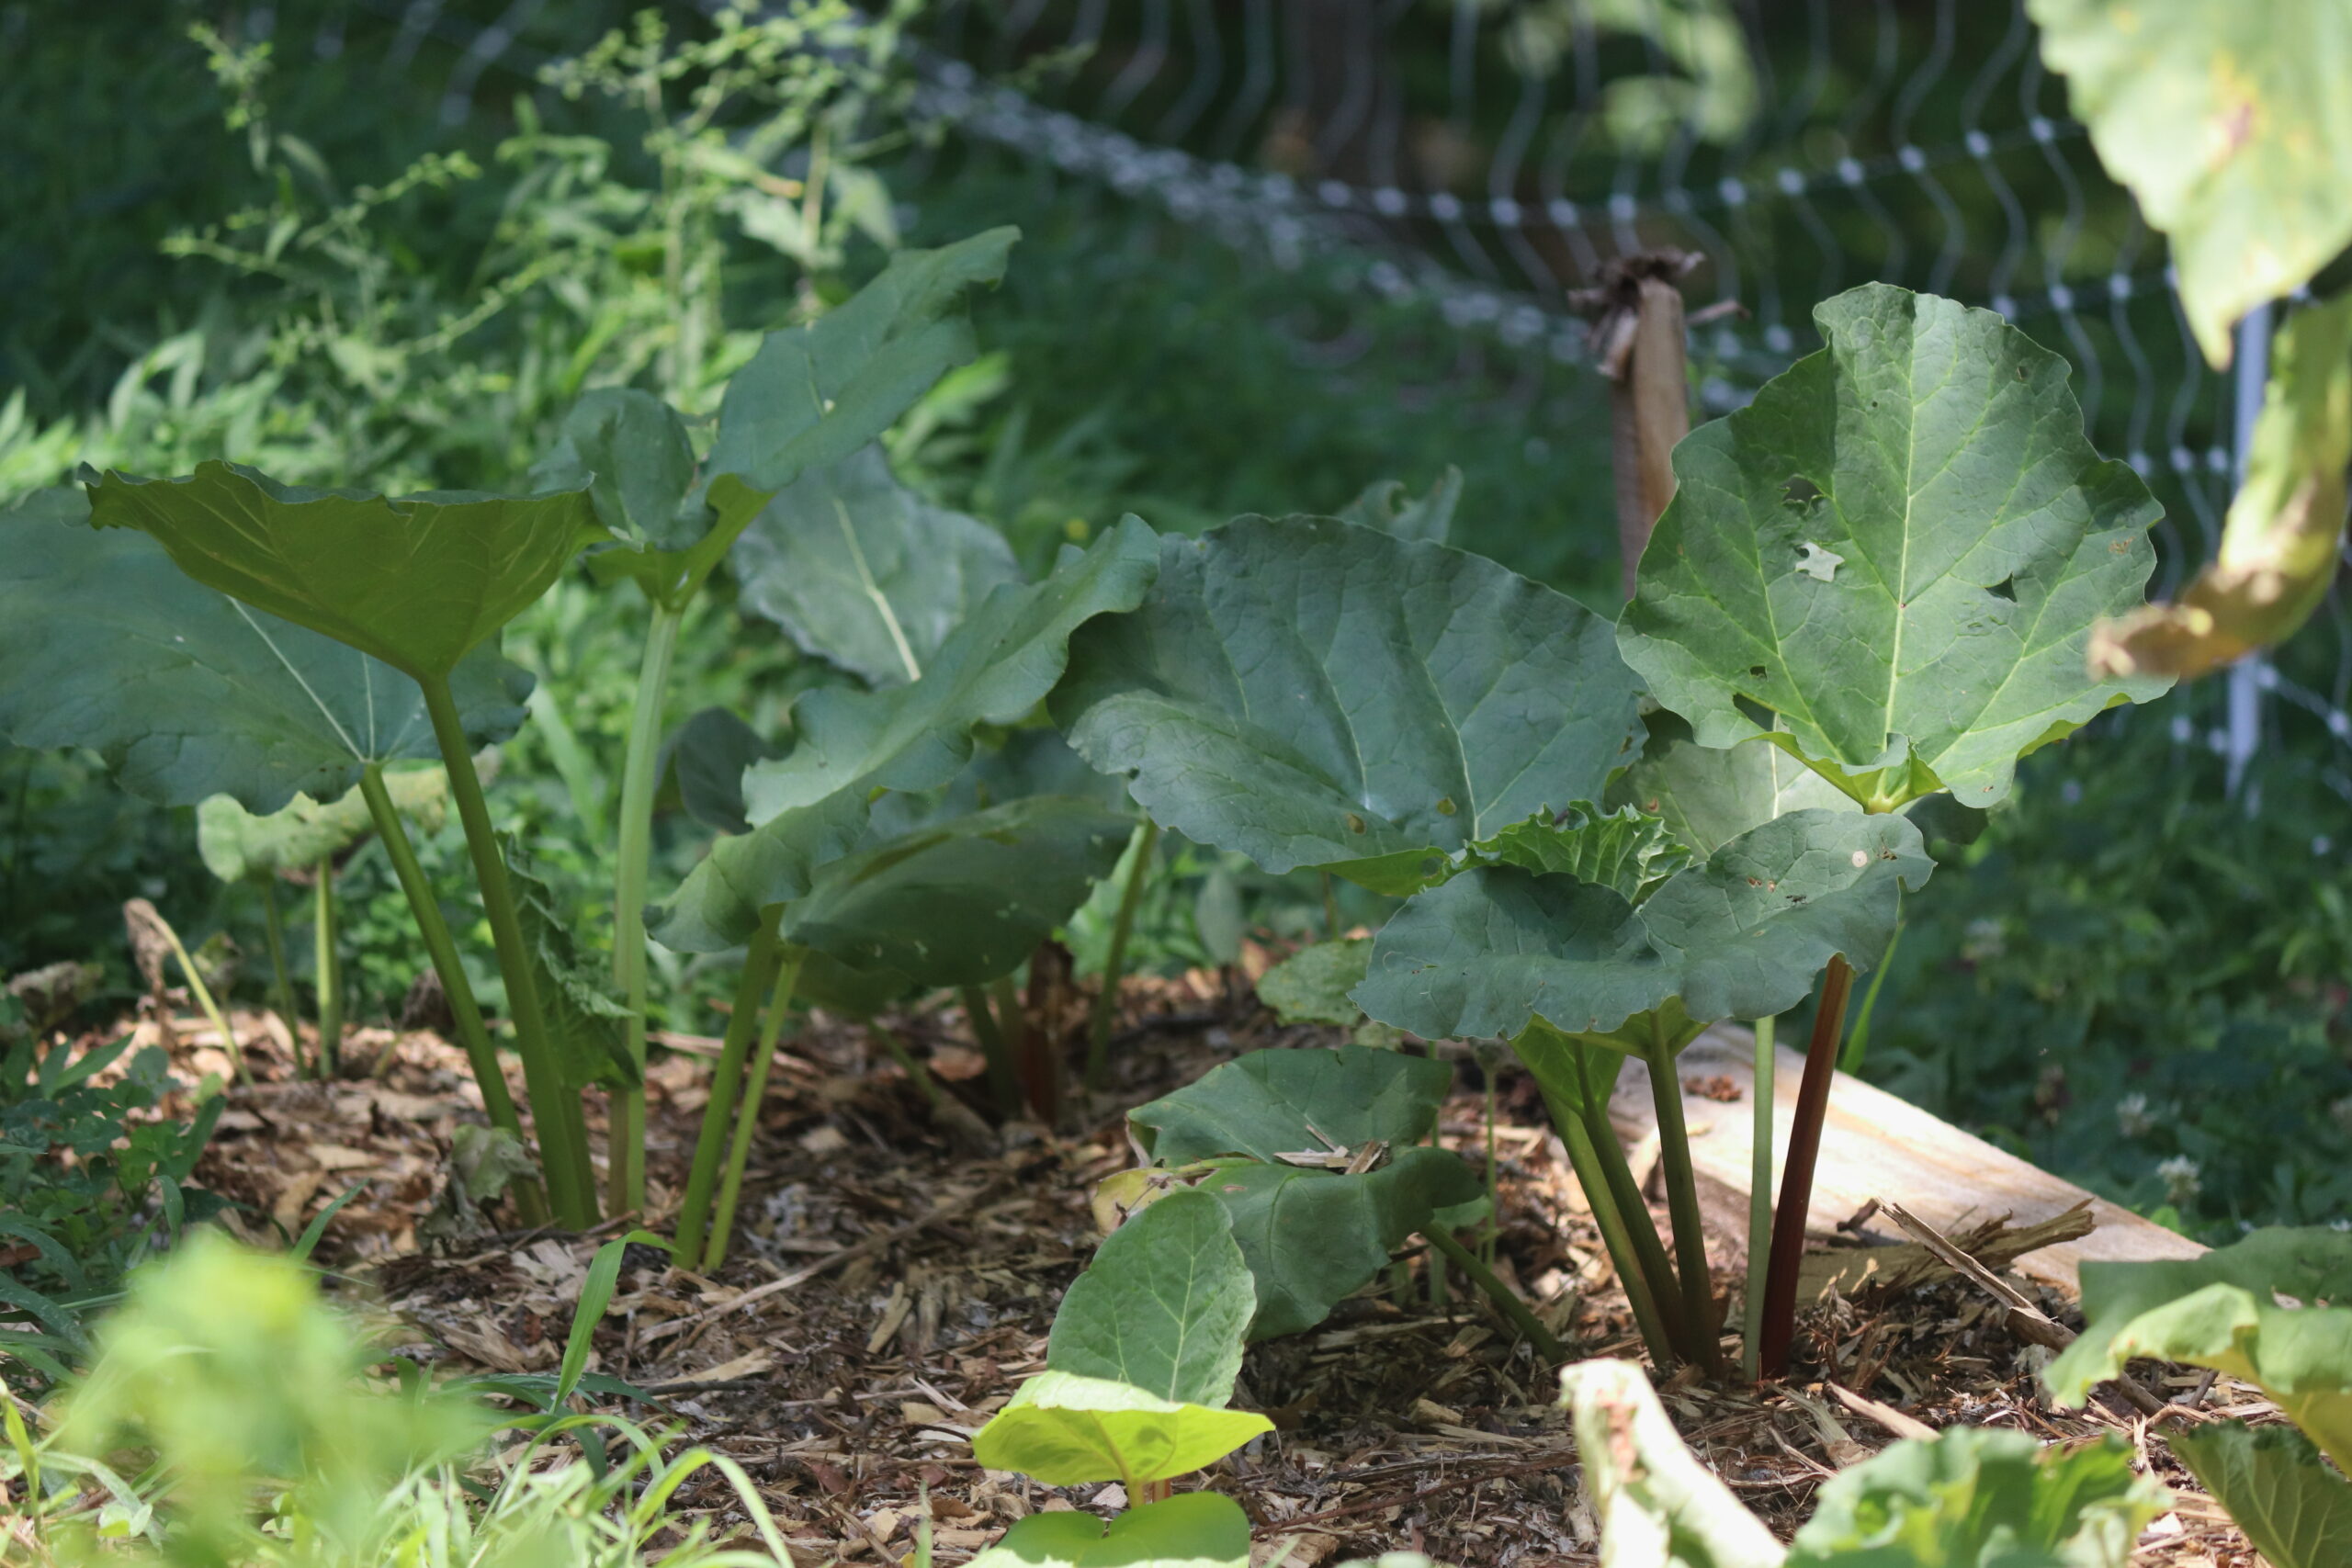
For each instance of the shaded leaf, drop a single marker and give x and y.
(2221, 1311)
(1271, 1104)
(963, 901)
(1314, 1237)
(418, 582)
(236, 844)
(630, 452)
(1066, 1430)
(1388, 506)
(1199, 1529)
(707, 754)
(1973, 1498)
(1939, 451)
(1312, 693)
(1707, 798)
(2296, 1511)
(811, 806)
(2278, 553)
(1163, 1307)
(583, 1016)
(1312, 985)
(1740, 936)
(185, 693)
(2230, 126)
(863, 572)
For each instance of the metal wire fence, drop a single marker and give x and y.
(1484, 158)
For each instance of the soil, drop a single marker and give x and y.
(894, 1275)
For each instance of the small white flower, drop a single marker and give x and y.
(2131, 1115)
(2181, 1184)
(1983, 941)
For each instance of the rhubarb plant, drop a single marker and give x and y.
(2273, 1310)
(811, 402)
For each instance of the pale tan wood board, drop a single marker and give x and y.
(1875, 1145)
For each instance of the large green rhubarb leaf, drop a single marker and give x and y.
(863, 572)
(1314, 692)
(1163, 1305)
(2221, 1311)
(1976, 1499)
(2231, 125)
(631, 452)
(419, 582)
(962, 901)
(1739, 936)
(1900, 548)
(1199, 1529)
(811, 806)
(187, 693)
(2296, 1510)
(1312, 985)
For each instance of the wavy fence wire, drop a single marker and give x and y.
(1482, 158)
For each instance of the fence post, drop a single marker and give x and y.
(2243, 737)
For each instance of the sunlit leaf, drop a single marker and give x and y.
(1198, 1529)
(1164, 1307)
(1939, 451)
(235, 845)
(2296, 1511)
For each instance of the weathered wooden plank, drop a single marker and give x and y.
(1876, 1145)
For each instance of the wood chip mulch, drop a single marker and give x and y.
(893, 1280)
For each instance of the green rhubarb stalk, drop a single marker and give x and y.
(1759, 1198)
(327, 965)
(1004, 1075)
(274, 928)
(555, 1109)
(1634, 1211)
(1106, 1000)
(747, 1117)
(909, 1064)
(202, 994)
(473, 1033)
(760, 962)
(1682, 1203)
(1614, 1236)
(626, 1151)
(1502, 1295)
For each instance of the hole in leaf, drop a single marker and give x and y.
(1445, 807)
(1756, 672)
(1355, 823)
(1799, 493)
(2005, 588)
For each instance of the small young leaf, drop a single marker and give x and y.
(1271, 1104)
(863, 572)
(1939, 451)
(1312, 985)
(1975, 1498)
(1199, 1529)
(1312, 693)
(1388, 506)
(185, 693)
(583, 1017)
(2220, 1310)
(1163, 1307)
(1740, 936)
(1066, 1430)
(1623, 850)
(2296, 1511)
(1315, 1238)
(630, 451)
(811, 806)
(419, 582)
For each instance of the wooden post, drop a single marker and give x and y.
(1638, 339)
